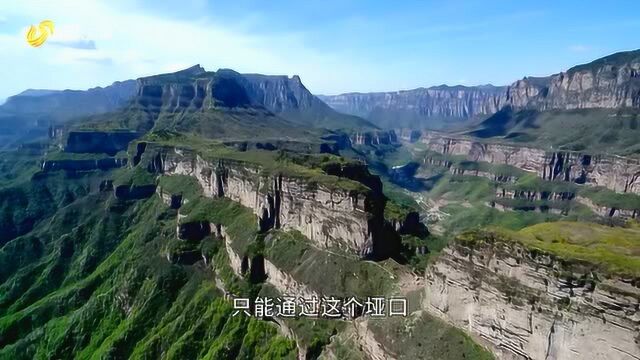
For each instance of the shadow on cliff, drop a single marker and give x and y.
(505, 120)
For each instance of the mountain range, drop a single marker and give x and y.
(134, 217)
(610, 82)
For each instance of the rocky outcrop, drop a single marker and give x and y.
(609, 82)
(501, 178)
(197, 89)
(283, 282)
(84, 165)
(174, 201)
(374, 138)
(534, 195)
(620, 174)
(526, 304)
(607, 211)
(328, 216)
(407, 108)
(108, 142)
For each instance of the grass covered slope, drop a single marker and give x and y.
(594, 130)
(612, 250)
(307, 167)
(90, 280)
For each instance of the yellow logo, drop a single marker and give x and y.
(36, 36)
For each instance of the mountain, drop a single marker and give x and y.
(275, 101)
(55, 105)
(196, 90)
(609, 82)
(29, 115)
(435, 107)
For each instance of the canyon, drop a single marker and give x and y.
(617, 173)
(612, 82)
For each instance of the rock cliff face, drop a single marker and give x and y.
(609, 82)
(195, 89)
(351, 220)
(84, 165)
(444, 101)
(528, 305)
(613, 172)
(374, 138)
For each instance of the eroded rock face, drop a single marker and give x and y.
(527, 305)
(439, 101)
(84, 165)
(613, 172)
(605, 83)
(610, 82)
(606, 211)
(374, 138)
(283, 282)
(328, 217)
(196, 89)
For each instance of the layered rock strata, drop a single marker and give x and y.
(328, 216)
(620, 174)
(525, 304)
(610, 82)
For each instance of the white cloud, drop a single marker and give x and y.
(131, 44)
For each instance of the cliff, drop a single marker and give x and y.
(331, 211)
(610, 82)
(84, 165)
(525, 303)
(195, 89)
(620, 174)
(410, 108)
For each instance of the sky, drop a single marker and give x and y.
(335, 46)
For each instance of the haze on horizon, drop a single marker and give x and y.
(335, 46)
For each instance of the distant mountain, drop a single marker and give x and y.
(28, 115)
(609, 82)
(283, 101)
(194, 89)
(434, 107)
(62, 105)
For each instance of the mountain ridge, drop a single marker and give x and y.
(609, 82)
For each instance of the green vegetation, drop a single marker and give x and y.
(593, 130)
(394, 210)
(309, 168)
(184, 185)
(463, 188)
(240, 222)
(343, 275)
(311, 333)
(136, 176)
(17, 167)
(610, 249)
(531, 182)
(422, 336)
(611, 199)
(90, 280)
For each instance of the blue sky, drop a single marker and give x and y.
(334, 45)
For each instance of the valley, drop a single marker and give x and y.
(129, 231)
